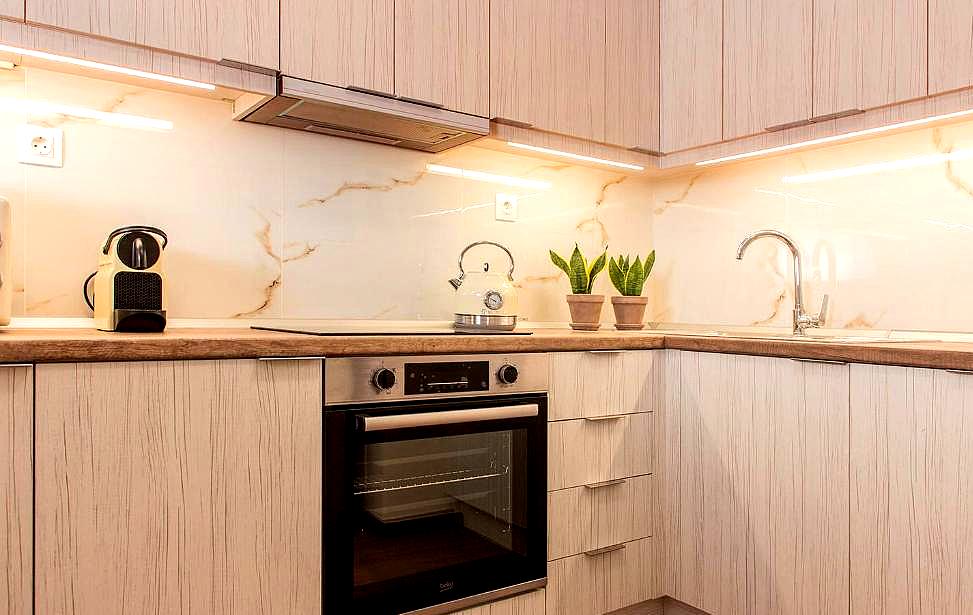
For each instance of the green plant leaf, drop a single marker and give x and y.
(634, 279)
(562, 264)
(617, 275)
(579, 272)
(597, 266)
(647, 267)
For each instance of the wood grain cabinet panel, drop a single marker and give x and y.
(442, 53)
(531, 603)
(868, 53)
(754, 475)
(16, 489)
(12, 9)
(766, 65)
(911, 494)
(585, 451)
(347, 43)
(596, 384)
(179, 487)
(240, 30)
(598, 584)
(691, 77)
(632, 74)
(589, 518)
(950, 45)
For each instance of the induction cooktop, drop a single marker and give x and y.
(334, 332)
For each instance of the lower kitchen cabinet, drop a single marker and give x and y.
(911, 491)
(595, 583)
(531, 603)
(753, 474)
(178, 487)
(16, 494)
(595, 450)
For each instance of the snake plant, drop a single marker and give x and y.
(628, 277)
(581, 274)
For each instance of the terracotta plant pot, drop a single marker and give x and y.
(629, 312)
(585, 311)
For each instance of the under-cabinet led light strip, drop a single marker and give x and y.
(836, 138)
(42, 107)
(482, 176)
(41, 55)
(878, 167)
(556, 152)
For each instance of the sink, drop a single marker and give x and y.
(786, 337)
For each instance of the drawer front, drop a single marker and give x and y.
(584, 451)
(600, 583)
(531, 603)
(592, 517)
(603, 383)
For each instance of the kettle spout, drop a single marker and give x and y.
(456, 283)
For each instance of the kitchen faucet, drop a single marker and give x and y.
(802, 320)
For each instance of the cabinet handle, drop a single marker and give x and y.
(607, 483)
(608, 417)
(322, 358)
(608, 351)
(419, 101)
(603, 550)
(786, 125)
(825, 361)
(358, 88)
(836, 115)
(961, 372)
(514, 123)
(253, 68)
(16, 365)
(646, 150)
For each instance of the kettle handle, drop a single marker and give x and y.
(462, 273)
(128, 229)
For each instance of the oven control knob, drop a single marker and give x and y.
(508, 374)
(383, 379)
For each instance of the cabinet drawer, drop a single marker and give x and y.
(593, 517)
(586, 384)
(599, 583)
(586, 451)
(531, 603)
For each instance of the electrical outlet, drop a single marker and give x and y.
(507, 207)
(40, 145)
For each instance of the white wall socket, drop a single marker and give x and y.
(40, 145)
(507, 207)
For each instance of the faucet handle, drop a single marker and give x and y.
(823, 314)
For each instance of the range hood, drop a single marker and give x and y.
(325, 109)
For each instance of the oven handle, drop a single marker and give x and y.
(447, 417)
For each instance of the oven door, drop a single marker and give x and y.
(429, 503)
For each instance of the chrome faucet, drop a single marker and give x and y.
(802, 320)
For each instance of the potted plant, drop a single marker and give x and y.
(585, 307)
(629, 279)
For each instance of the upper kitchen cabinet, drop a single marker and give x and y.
(868, 53)
(12, 9)
(442, 53)
(950, 45)
(767, 65)
(16, 490)
(691, 78)
(241, 31)
(347, 43)
(547, 65)
(632, 74)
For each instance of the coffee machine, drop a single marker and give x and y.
(129, 285)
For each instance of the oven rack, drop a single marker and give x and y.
(427, 480)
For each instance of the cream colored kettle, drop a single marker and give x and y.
(485, 301)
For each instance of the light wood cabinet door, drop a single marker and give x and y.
(911, 494)
(766, 65)
(602, 582)
(547, 65)
(867, 53)
(599, 384)
(179, 487)
(590, 451)
(691, 77)
(754, 475)
(531, 603)
(12, 9)
(239, 30)
(950, 45)
(16, 489)
(632, 74)
(347, 43)
(442, 53)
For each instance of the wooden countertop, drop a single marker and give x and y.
(67, 345)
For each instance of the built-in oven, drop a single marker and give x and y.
(435, 482)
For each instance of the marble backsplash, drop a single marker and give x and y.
(272, 223)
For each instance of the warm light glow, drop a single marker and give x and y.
(106, 67)
(481, 176)
(841, 137)
(879, 167)
(555, 152)
(7, 65)
(41, 107)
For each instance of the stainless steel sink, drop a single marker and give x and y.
(819, 338)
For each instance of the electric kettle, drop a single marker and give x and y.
(485, 301)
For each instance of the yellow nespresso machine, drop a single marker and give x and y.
(129, 286)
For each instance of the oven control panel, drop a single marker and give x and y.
(379, 379)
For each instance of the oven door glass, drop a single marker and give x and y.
(445, 512)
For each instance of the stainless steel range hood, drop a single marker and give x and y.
(325, 109)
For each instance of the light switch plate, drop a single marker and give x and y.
(40, 145)
(507, 207)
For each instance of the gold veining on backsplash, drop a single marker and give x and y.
(951, 176)
(775, 310)
(679, 199)
(363, 186)
(307, 249)
(595, 222)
